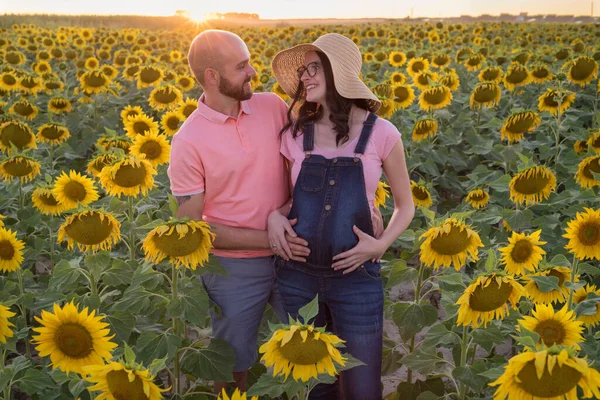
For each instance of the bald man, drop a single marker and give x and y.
(226, 169)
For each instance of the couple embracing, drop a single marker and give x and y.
(289, 191)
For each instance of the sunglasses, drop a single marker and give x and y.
(312, 69)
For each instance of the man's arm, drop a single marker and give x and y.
(227, 237)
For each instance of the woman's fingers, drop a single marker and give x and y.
(353, 268)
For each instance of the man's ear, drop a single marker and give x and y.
(212, 76)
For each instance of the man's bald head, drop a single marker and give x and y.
(210, 49)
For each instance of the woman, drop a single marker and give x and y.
(337, 148)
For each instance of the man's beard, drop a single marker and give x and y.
(228, 89)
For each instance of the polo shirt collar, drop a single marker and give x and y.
(215, 116)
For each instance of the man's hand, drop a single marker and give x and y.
(283, 239)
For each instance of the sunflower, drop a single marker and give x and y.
(91, 63)
(153, 147)
(149, 76)
(45, 202)
(486, 94)
(451, 243)
(73, 339)
(491, 74)
(165, 98)
(417, 65)
(130, 73)
(580, 147)
(11, 250)
(185, 82)
(549, 101)
(420, 194)
(117, 380)
(474, 62)
(130, 111)
(5, 324)
(74, 189)
(541, 74)
(517, 124)
(17, 133)
(397, 59)
(381, 194)
(516, 75)
(593, 141)
(21, 167)
(584, 175)
(98, 163)
(109, 71)
(589, 320)
(450, 80)
(188, 106)
(478, 198)
(397, 78)
(30, 85)
(583, 233)
(140, 124)
(435, 97)
(404, 95)
(9, 81)
(486, 299)
(237, 395)
(53, 134)
(94, 82)
(440, 61)
(114, 142)
(552, 374)
(185, 243)
(59, 105)
(424, 128)
(523, 253)
(582, 70)
(532, 186)
(559, 327)
(302, 350)
(129, 176)
(553, 296)
(170, 121)
(90, 230)
(24, 109)
(425, 79)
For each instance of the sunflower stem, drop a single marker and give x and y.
(574, 268)
(464, 349)
(131, 229)
(51, 236)
(24, 312)
(21, 198)
(411, 346)
(174, 278)
(2, 364)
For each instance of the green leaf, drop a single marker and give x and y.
(469, 375)
(527, 338)
(560, 261)
(64, 275)
(134, 300)
(119, 273)
(34, 381)
(488, 337)
(493, 373)
(77, 386)
(310, 310)
(129, 355)
(439, 335)
(97, 263)
(414, 391)
(122, 324)
(586, 268)
(412, 319)
(491, 261)
(501, 184)
(430, 215)
(401, 273)
(151, 345)
(173, 206)
(157, 365)
(589, 306)
(213, 363)
(275, 386)
(546, 283)
(452, 282)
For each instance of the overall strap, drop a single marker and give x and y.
(365, 133)
(309, 137)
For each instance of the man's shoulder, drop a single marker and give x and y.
(265, 100)
(190, 127)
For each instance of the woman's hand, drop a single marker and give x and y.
(367, 248)
(284, 240)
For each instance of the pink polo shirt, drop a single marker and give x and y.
(236, 162)
(381, 142)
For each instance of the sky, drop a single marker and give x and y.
(280, 9)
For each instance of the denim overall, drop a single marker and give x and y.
(329, 198)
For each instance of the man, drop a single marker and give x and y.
(226, 169)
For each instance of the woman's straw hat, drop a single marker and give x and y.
(346, 63)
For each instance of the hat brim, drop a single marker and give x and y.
(285, 66)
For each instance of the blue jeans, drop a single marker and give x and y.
(351, 307)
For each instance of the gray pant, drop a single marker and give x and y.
(242, 297)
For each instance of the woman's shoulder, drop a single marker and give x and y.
(384, 137)
(385, 128)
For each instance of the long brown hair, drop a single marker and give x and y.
(309, 112)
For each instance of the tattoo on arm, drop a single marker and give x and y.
(182, 199)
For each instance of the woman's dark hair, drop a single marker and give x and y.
(339, 107)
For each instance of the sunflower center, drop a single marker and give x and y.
(490, 74)
(151, 149)
(52, 132)
(532, 184)
(424, 127)
(517, 75)
(589, 234)
(453, 242)
(7, 251)
(173, 123)
(551, 332)
(540, 73)
(435, 96)
(418, 66)
(9, 80)
(189, 109)
(557, 274)
(549, 100)
(490, 297)
(130, 175)
(28, 83)
(593, 166)
(478, 197)
(175, 246)
(420, 193)
(121, 389)
(74, 340)
(24, 108)
(89, 229)
(48, 199)
(75, 191)
(59, 103)
(165, 96)
(18, 167)
(149, 75)
(563, 379)
(401, 93)
(485, 94)
(15, 134)
(520, 123)
(521, 251)
(95, 80)
(582, 69)
(140, 127)
(306, 352)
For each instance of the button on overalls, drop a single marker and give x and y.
(329, 198)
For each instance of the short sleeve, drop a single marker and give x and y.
(389, 136)
(185, 171)
(287, 141)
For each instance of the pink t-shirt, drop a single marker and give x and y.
(236, 162)
(383, 138)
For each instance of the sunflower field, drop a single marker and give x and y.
(492, 292)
